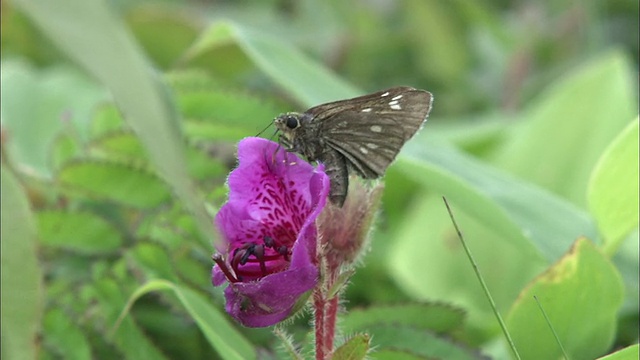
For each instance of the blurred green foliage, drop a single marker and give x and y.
(118, 128)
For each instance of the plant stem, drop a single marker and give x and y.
(326, 314)
(319, 309)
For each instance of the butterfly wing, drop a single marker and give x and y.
(370, 130)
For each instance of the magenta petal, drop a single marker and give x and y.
(272, 298)
(269, 225)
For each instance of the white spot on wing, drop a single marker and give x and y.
(385, 94)
(396, 97)
(396, 107)
(376, 128)
(363, 150)
(372, 146)
(366, 110)
(394, 102)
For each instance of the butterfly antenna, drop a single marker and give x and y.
(265, 129)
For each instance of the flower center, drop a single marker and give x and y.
(254, 260)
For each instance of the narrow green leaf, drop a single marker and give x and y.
(78, 231)
(356, 348)
(90, 34)
(628, 353)
(613, 188)
(513, 208)
(114, 181)
(22, 293)
(303, 78)
(581, 294)
(130, 340)
(221, 335)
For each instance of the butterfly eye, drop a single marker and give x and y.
(292, 122)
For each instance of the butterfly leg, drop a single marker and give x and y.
(336, 168)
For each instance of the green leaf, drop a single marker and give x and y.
(120, 144)
(163, 33)
(628, 353)
(355, 348)
(226, 108)
(114, 181)
(613, 188)
(392, 354)
(79, 231)
(67, 339)
(229, 343)
(566, 130)
(581, 295)
(22, 293)
(517, 210)
(420, 342)
(153, 260)
(437, 317)
(43, 102)
(76, 26)
(303, 78)
(130, 340)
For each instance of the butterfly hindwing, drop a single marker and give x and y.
(370, 130)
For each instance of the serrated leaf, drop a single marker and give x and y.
(43, 102)
(78, 231)
(106, 119)
(22, 293)
(114, 181)
(64, 148)
(229, 343)
(120, 144)
(581, 295)
(356, 348)
(437, 317)
(76, 26)
(613, 188)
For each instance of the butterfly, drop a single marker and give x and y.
(362, 135)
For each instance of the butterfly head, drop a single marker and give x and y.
(287, 124)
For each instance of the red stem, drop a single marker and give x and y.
(319, 305)
(326, 313)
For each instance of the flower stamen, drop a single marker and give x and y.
(219, 260)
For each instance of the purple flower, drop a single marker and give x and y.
(269, 226)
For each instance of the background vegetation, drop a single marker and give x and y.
(119, 122)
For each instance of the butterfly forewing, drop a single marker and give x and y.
(370, 130)
(362, 135)
(368, 152)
